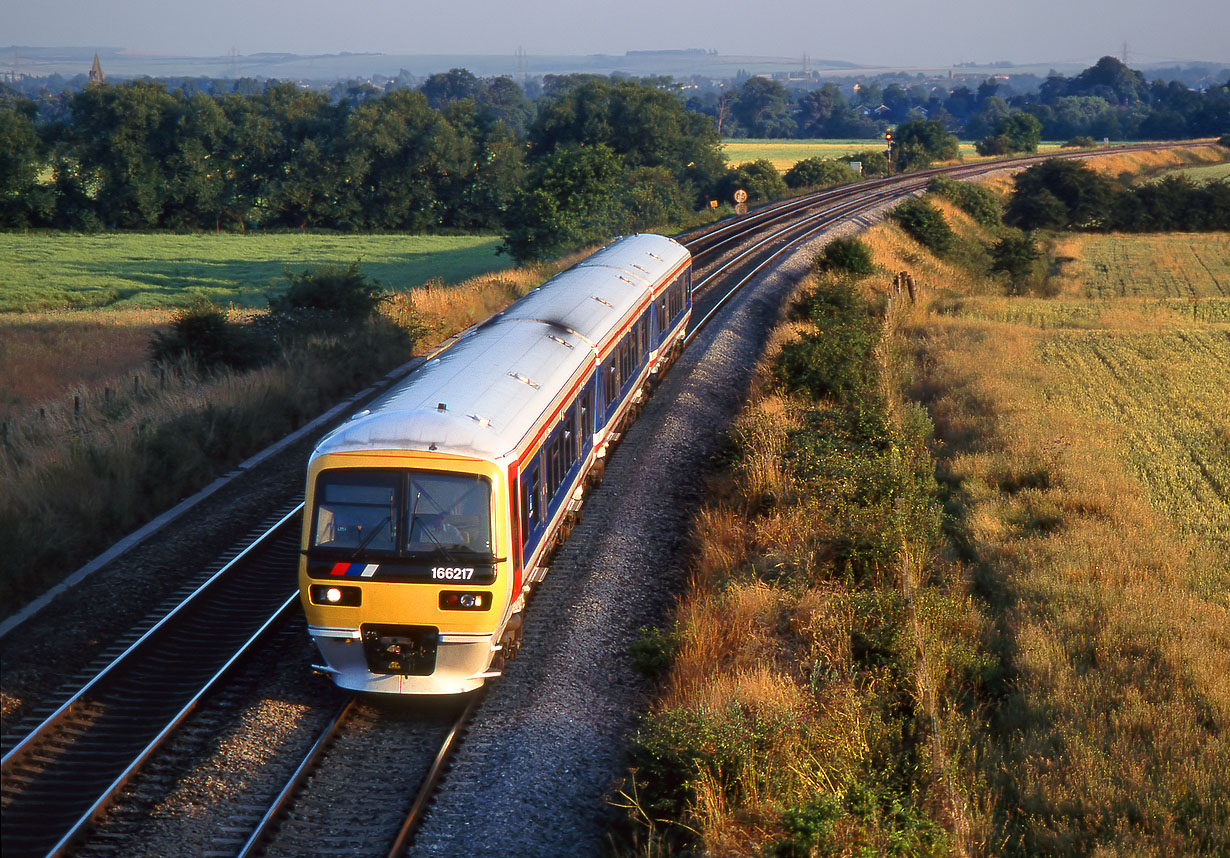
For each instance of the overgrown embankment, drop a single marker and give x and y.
(822, 639)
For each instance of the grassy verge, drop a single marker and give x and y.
(822, 639)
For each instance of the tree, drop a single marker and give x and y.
(1015, 255)
(454, 85)
(1060, 194)
(21, 156)
(763, 109)
(120, 137)
(919, 142)
(1023, 132)
(570, 200)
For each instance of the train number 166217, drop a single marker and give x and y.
(452, 573)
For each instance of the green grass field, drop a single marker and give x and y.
(42, 271)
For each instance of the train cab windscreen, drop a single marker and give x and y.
(402, 513)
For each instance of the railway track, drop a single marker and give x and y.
(62, 774)
(397, 750)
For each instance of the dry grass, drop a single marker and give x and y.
(44, 352)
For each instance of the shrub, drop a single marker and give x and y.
(819, 173)
(996, 145)
(202, 336)
(926, 225)
(836, 360)
(1080, 142)
(976, 201)
(874, 161)
(328, 296)
(654, 651)
(846, 256)
(759, 178)
(1059, 194)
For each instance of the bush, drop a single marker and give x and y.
(926, 225)
(1060, 194)
(976, 201)
(819, 173)
(1080, 142)
(996, 145)
(837, 360)
(874, 161)
(846, 256)
(654, 651)
(202, 336)
(328, 296)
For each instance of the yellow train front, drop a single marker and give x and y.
(429, 517)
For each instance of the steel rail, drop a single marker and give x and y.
(297, 779)
(101, 803)
(51, 720)
(427, 789)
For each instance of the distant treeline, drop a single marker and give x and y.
(1070, 195)
(1108, 100)
(590, 158)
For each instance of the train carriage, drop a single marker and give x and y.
(430, 516)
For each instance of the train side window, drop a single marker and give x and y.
(612, 382)
(587, 409)
(529, 503)
(570, 438)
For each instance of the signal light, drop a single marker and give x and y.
(888, 135)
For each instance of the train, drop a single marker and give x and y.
(430, 516)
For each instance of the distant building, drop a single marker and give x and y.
(96, 72)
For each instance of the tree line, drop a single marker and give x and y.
(594, 156)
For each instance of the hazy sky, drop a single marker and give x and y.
(888, 32)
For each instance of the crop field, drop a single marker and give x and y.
(1208, 173)
(1087, 438)
(79, 310)
(783, 154)
(44, 271)
(1172, 265)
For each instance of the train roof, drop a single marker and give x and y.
(480, 396)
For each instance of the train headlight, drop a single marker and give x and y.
(341, 596)
(454, 600)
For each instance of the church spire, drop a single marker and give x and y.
(96, 72)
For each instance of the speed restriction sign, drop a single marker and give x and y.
(740, 196)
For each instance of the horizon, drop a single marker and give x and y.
(896, 34)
